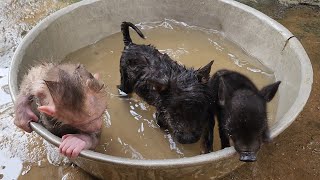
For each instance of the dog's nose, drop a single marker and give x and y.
(248, 156)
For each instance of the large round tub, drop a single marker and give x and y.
(88, 21)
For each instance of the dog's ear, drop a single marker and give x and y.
(269, 91)
(203, 74)
(160, 84)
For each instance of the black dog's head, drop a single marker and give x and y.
(247, 124)
(184, 102)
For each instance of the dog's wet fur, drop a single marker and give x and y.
(241, 112)
(181, 95)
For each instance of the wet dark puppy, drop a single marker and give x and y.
(241, 112)
(180, 95)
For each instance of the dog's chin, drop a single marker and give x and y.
(186, 138)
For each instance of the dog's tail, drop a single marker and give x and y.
(125, 31)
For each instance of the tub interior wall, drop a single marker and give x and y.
(80, 28)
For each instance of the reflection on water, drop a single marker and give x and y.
(131, 129)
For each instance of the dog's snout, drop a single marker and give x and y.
(187, 138)
(248, 156)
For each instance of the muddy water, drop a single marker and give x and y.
(130, 127)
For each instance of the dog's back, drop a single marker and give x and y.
(140, 62)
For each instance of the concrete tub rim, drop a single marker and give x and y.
(293, 112)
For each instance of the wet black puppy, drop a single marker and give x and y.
(180, 95)
(241, 112)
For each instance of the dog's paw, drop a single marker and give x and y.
(121, 92)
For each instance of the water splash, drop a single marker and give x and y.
(176, 54)
(173, 145)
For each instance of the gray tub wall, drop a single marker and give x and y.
(204, 166)
(79, 29)
(212, 170)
